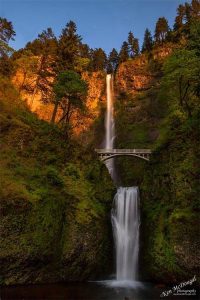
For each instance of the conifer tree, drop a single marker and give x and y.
(148, 41)
(68, 47)
(124, 52)
(133, 45)
(85, 51)
(27, 65)
(180, 17)
(70, 92)
(109, 68)
(45, 47)
(188, 13)
(99, 59)
(161, 30)
(113, 59)
(195, 7)
(136, 46)
(130, 44)
(7, 33)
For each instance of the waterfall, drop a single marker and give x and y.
(125, 213)
(109, 124)
(126, 221)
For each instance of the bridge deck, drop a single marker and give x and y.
(123, 151)
(105, 154)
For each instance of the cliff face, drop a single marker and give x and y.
(169, 182)
(139, 74)
(96, 96)
(138, 111)
(170, 199)
(133, 76)
(55, 201)
(33, 98)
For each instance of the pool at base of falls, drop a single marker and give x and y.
(101, 290)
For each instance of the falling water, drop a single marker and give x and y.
(126, 221)
(125, 212)
(110, 124)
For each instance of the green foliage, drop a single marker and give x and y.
(165, 118)
(138, 125)
(44, 45)
(7, 91)
(53, 176)
(170, 189)
(124, 52)
(68, 46)
(51, 203)
(133, 45)
(148, 41)
(69, 84)
(44, 48)
(194, 37)
(179, 20)
(186, 14)
(72, 171)
(6, 30)
(113, 59)
(70, 92)
(181, 76)
(27, 65)
(161, 30)
(99, 60)
(7, 33)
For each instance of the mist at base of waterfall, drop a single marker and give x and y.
(127, 284)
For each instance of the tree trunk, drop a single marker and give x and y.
(53, 118)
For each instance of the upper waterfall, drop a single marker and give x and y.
(110, 124)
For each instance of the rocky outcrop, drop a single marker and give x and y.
(162, 51)
(133, 76)
(96, 95)
(33, 98)
(137, 75)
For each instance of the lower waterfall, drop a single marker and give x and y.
(126, 222)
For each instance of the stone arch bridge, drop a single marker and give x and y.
(105, 154)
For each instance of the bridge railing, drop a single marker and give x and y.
(107, 151)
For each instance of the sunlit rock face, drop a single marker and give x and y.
(25, 81)
(162, 52)
(96, 95)
(137, 74)
(133, 75)
(80, 122)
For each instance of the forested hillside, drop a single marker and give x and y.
(158, 107)
(55, 194)
(55, 201)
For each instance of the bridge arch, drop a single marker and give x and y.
(117, 155)
(105, 154)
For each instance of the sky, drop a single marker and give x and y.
(101, 23)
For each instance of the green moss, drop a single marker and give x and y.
(55, 202)
(169, 186)
(170, 204)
